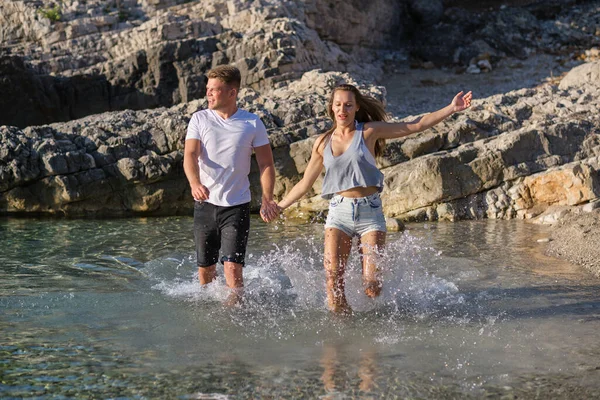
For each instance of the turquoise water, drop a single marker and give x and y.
(112, 309)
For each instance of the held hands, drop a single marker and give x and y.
(461, 102)
(269, 210)
(200, 192)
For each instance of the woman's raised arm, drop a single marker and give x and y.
(391, 130)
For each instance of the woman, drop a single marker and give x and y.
(353, 182)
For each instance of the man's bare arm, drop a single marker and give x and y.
(191, 152)
(264, 157)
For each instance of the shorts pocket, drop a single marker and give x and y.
(375, 202)
(335, 201)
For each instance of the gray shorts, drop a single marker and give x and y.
(356, 216)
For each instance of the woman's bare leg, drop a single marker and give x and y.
(337, 250)
(329, 361)
(372, 246)
(366, 370)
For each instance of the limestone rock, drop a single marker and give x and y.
(586, 74)
(140, 55)
(124, 78)
(394, 225)
(575, 238)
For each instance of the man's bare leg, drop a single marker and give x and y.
(337, 250)
(372, 245)
(207, 274)
(235, 281)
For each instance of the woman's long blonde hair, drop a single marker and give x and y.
(369, 109)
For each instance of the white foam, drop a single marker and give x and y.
(290, 276)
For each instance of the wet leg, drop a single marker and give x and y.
(337, 250)
(207, 274)
(371, 249)
(235, 281)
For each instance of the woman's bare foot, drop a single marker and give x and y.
(339, 305)
(341, 309)
(373, 288)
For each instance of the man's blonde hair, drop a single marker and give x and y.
(227, 74)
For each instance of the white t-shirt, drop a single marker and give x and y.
(227, 146)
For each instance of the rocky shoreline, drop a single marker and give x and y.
(575, 239)
(110, 86)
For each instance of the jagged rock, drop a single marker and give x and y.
(129, 162)
(394, 225)
(466, 167)
(548, 156)
(463, 34)
(160, 56)
(514, 155)
(48, 98)
(586, 74)
(356, 24)
(145, 54)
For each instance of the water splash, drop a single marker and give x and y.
(285, 283)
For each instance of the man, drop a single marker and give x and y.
(217, 155)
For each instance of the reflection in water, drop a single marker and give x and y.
(112, 308)
(336, 369)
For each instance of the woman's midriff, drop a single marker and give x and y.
(359, 192)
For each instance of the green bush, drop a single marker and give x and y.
(53, 14)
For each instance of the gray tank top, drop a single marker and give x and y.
(355, 167)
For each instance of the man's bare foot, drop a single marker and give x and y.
(235, 298)
(373, 288)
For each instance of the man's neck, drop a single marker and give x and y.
(227, 112)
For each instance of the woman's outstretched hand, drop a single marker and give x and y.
(461, 102)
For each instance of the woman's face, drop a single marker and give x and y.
(344, 107)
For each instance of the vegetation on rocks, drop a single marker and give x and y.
(54, 14)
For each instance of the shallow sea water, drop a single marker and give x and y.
(112, 309)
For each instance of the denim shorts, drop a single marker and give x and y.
(356, 216)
